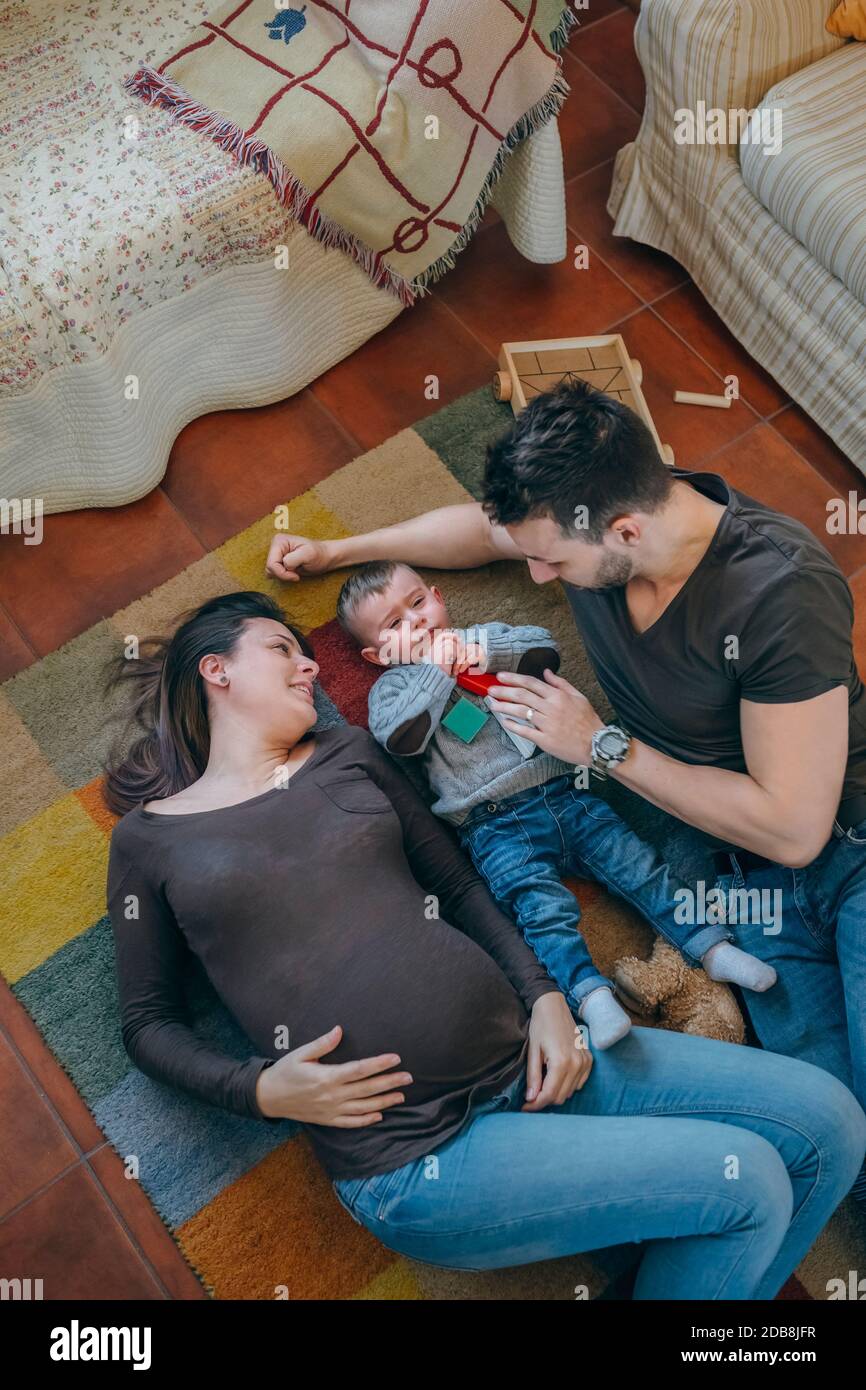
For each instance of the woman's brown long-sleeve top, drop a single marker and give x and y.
(313, 905)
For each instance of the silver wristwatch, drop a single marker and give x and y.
(610, 746)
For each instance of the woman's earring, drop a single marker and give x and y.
(224, 680)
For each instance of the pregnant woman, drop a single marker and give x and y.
(402, 1019)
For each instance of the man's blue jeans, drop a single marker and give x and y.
(521, 846)
(817, 942)
(724, 1161)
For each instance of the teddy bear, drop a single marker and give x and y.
(685, 999)
(653, 981)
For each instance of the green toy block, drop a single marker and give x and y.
(465, 719)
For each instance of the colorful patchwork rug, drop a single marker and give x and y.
(382, 127)
(247, 1203)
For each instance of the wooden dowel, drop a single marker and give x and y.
(696, 398)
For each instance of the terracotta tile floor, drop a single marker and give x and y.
(66, 1208)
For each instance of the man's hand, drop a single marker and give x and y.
(563, 720)
(557, 1044)
(349, 1095)
(294, 557)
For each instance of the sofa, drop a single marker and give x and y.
(776, 241)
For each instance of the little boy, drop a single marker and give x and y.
(520, 817)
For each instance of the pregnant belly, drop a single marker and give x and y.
(450, 1027)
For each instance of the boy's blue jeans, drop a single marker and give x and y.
(725, 1162)
(521, 847)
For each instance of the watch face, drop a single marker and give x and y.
(611, 742)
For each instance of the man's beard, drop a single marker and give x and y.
(613, 573)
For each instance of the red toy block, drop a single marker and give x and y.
(479, 685)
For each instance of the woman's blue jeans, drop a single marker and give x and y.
(724, 1161)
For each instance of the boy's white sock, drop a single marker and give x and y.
(607, 1022)
(727, 962)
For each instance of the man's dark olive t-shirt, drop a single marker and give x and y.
(337, 899)
(766, 616)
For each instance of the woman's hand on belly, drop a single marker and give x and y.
(347, 1095)
(556, 1044)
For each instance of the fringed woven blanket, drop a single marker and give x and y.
(382, 124)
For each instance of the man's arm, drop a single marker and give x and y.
(793, 667)
(450, 538)
(782, 808)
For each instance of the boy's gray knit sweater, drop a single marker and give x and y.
(462, 775)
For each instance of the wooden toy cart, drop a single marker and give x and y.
(528, 369)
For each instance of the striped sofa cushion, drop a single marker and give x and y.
(815, 184)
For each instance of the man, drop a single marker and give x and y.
(720, 631)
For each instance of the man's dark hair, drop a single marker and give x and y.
(574, 447)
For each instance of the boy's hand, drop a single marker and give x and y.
(400, 646)
(474, 658)
(443, 649)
